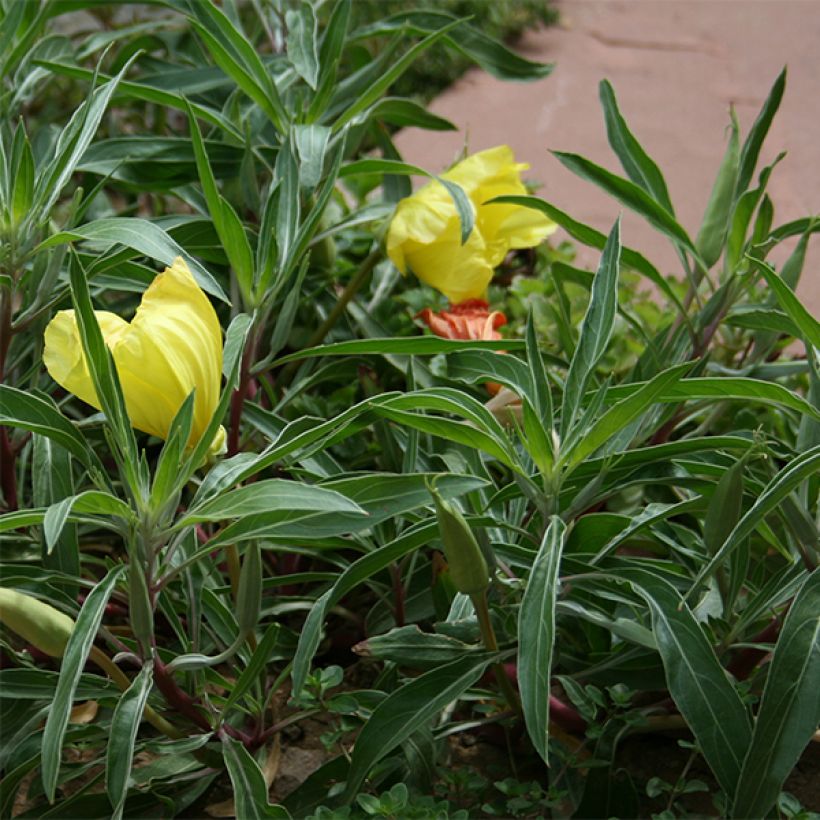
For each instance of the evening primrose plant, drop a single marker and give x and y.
(247, 499)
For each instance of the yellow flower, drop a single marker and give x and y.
(172, 346)
(425, 233)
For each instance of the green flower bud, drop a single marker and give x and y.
(249, 593)
(38, 623)
(468, 569)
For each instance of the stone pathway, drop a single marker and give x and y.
(676, 66)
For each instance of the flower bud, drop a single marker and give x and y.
(38, 623)
(468, 569)
(249, 594)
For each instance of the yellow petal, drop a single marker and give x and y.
(171, 347)
(424, 235)
(419, 219)
(458, 271)
(63, 354)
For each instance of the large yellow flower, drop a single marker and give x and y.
(172, 346)
(425, 233)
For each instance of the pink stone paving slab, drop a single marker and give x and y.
(676, 66)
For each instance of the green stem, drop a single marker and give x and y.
(121, 679)
(353, 287)
(485, 624)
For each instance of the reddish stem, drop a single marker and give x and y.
(8, 479)
(245, 389)
(176, 698)
(746, 660)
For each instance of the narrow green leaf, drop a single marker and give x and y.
(76, 654)
(629, 194)
(121, 738)
(361, 569)
(757, 134)
(145, 237)
(717, 218)
(146, 92)
(38, 414)
(699, 685)
(790, 708)
(301, 42)
(595, 239)
(237, 57)
(639, 166)
(792, 306)
(788, 479)
(250, 792)
(391, 75)
(621, 414)
(596, 329)
(536, 636)
(494, 57)
(407, 710)
(256, 666)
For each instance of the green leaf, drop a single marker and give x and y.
(38, 414)
(311, 146)
(409, 646)
(238, 58)
(256, 666)
(144, 237)
(387, 78)
(407, 710)
(699, 685)
(121, 738)
(621, 414)
(754, 140)
(729, 388)
(330, 52)
(717, 218)
(250, 792)
(301, 42)
(629, 194)
(495, 58)
(74, 659)
(639, 166)
(596, 330)
(788, 479)
(789, 710)
(268, 496)
(228, 227)
(595, 239)
(808, 325)
(104, 377)
(361, 569)
(418, 345)
(406, 113)
(536, 636)
(73, 141)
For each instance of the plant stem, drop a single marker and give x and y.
(485, 624)
(241, 392)
(8, 457)
(352, 288)
(121, 679)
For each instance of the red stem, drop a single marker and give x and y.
(746, 660)
(8, 479)
(176, 698)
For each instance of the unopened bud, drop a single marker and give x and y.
(468, 569)
(38, 623)
(249, 594)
